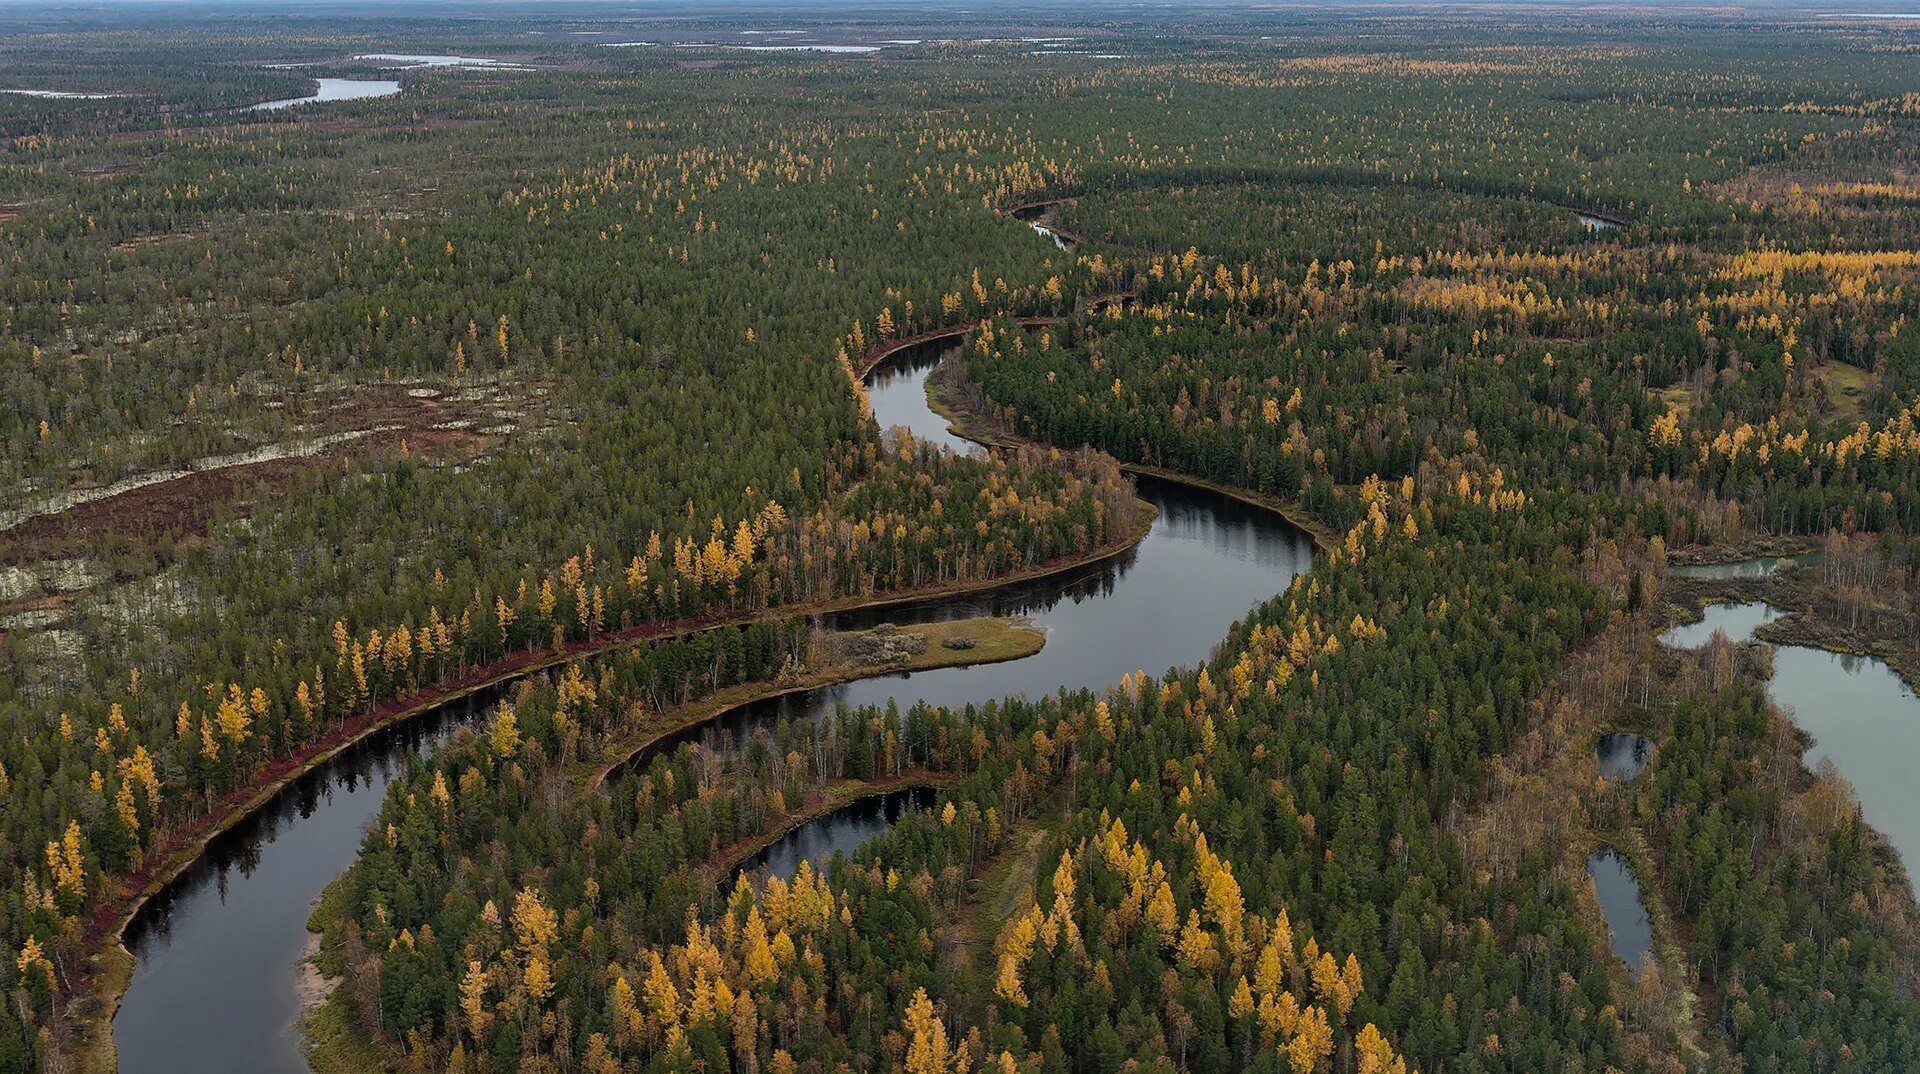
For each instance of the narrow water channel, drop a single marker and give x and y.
(842, 832)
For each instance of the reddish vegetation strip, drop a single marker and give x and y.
(133, 889)
(186, 507)
(184, 844)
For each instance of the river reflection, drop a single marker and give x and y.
(1859, 713)
(214, 987)
(216, 958)
(1738, 620)
(840, 832)
(1742, 568)
(335, 89)
(1208, 560)
(1866, 720)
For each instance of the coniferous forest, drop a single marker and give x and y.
(534, 427)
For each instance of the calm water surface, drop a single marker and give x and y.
(1738, 620)
(1861, 716)
(217, 954)
(1866, 720)
(1743, 568)
(1620, 756)
(839, 833)
(1208, 561)
(336, 89)
(1629, 932)
(217, 957)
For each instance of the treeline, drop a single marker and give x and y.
(1246, 865)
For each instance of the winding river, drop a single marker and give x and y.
(218, 954)
(1208, 560)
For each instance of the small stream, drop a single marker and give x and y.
(1037, 217)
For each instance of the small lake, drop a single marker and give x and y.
(1630, 934)
(335, 89)
(1738, 620)
(1861, 716)
(1620, 756)
(1865, 719)
(840, 832)
(413, 59)
(1596, 223)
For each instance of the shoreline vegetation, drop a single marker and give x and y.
(113, 964)
(589, 299)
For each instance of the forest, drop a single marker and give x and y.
(522, 368)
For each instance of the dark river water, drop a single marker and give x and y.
(1208, 560)
(217, 957)
(841, 832)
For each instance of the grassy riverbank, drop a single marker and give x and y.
(959, 643)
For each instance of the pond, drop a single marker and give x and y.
(1860, 714)
(335, 89)
(1743, 568)
(1630, 933)
(1620, 756)
(1866, 720)
(1738, 620)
